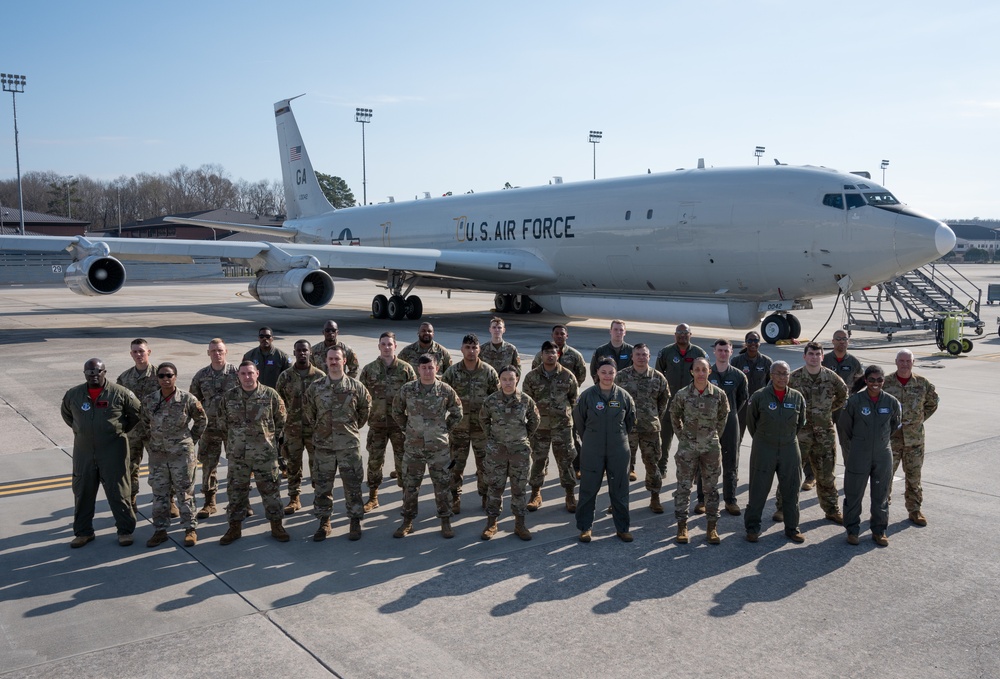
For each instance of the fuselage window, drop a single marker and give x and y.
(855, 200)
(834, 200)
(628, 215)
(649, 214)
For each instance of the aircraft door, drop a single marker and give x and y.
(385, 233)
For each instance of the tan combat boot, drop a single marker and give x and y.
(712, 533)
(520, 530)
(209, 507)
(446, 529)
(234, 533)
(278, 531)
(372, 500)
(355, 531)
(293, 504)
(570, 501)
(404, 529)
(456, 505)
(536, 498)
(491, 528)
(190, 538)
(324, 530)
(654, 503)
(158, 538)
(175, 513)
(682, 531)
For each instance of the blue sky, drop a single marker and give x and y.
(467, 96)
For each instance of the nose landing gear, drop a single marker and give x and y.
(780, 327)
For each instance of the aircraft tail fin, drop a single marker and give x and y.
(303, 196)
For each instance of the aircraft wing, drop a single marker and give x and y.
(231, 226)
(495, 266)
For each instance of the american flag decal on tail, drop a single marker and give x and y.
(294, 153)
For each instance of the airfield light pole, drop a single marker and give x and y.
(885, 164)
(759, 151)
(595, 139)
(363, 116)
(15, 85)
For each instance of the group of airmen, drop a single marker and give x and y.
(272, 409)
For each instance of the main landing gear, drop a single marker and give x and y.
(780, 327)
(518, 304)
(400, 304)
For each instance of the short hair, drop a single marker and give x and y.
(246, 363)
(901, 352)
(812, 346)
(427, 358)
(781, 364)
(507, 369)
(701, 359)
(559, 325)
(138, 340)
(861, 383)
(640, 345)
(497, 319)
(167, 364)
(753, 333)
(302, 341)
(471, 338)
(388, 333)
(606, 360)
(549, 345)
(618, 321)
(215, 340)
(722, 343)
(342, 352)
(260, 330)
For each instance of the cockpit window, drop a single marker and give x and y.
(882, 199)
(855, 200)
(834, 200)
(848, 187)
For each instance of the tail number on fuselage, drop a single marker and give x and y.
(537, 228)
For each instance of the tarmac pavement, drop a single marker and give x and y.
(926, 606)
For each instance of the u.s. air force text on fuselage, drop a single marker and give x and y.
(537, 228)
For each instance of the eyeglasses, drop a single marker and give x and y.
(91, 373)
(839, 339)
(875, 380)
(166, 376)
(265, 336)
(751, 341)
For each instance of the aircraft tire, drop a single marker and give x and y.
(794, 327)
(966, 346)
(414, 308)
(534, 307)
(380, 306)
(503, 303)
(774, 328)
(954, 347)
(396, 308)
(520, 304)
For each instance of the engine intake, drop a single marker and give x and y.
(95, 275)
(293, 289)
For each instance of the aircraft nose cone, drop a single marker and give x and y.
(944, 239)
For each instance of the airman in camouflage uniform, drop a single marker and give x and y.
(509, 417)
(175, 420)
(919, 401)
(849, 369)
(291, 387)
(734, 383)
(473, 380)
(497, 352)
(824, 393)
(208, 385)
(383, 378)
(140, 380)
(569, 358)
(554, 390)
(318, 351)
(427, 410)
(335, 409)
(649, 389)
(675, 361)
(698, 413)
(252, 417)
(425, 344)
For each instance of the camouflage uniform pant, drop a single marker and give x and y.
(209, 453)
(173, 473)
(819, 451)
(265, 471)
(561, 441)
(435, 460)
(377, 443)
(666, 437)
(136, 445)
(506, 461)
(693, 459)
(325, 465)
(293, 451)
(459, 442)
(912, 459)
(651, 448)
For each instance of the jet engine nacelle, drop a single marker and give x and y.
(293, 289)
(95, 275)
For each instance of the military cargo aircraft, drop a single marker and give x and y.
(723, 247)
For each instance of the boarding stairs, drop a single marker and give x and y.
(917, 300)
